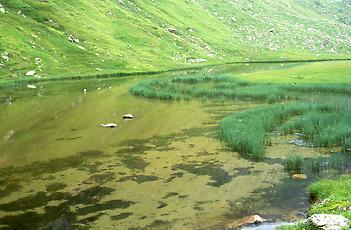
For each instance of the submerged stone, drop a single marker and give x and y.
(301, 143)
(299, 177)
(58, 224)
(254, 219)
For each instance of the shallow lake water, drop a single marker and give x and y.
(165, 169)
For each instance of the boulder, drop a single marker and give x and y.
(37, 60)
(5, 56)
(172, 30)
(191, 30)
(2, 10)
(109, 125)
(254, 219)
(71, 38)
(128, 116)
(30, 73)
(299, 177)
(196, 60)
(329, 221)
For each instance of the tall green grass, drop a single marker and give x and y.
(226, 87)
(247, 132)
(294, 164)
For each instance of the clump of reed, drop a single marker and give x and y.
(324, 128)
(247, 132)
(294, 164)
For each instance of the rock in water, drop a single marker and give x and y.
(299, 177)
(109, 125)
(30, 73)
(254, 219)
(329, 221)
(128, 116)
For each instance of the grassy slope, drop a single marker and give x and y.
(132, 36)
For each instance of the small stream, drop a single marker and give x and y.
(165, 169)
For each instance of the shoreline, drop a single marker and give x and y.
(28, 80)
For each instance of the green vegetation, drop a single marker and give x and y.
(294, 163)
(332, 197)
(248, 132)
(298, 226)
(318, 72)
(84, 38)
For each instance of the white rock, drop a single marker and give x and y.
(37, 60)
(109, 125)
(2, 10)
(30, 73)
(71, 38)
(329, 221)
(31, 86)
(128, 116)
(81, 47)
(5, 56)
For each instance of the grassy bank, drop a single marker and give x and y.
(330, 197)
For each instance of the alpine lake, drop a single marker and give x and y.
(164, 169)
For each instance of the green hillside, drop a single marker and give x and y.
(85, 37)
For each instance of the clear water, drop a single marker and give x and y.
(165, 169)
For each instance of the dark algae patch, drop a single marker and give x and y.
(90, 199)
(218, 175)
(55, 187)
(10, 188)
(52, 166)
(121, 216)
(138, 178)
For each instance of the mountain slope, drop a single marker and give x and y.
(83, 37)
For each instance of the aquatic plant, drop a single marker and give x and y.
(247, 132)
(294, 163)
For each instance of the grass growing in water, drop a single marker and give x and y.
(247, 132)
(294, 163)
